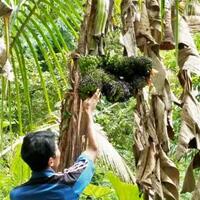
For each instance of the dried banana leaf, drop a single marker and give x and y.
(159, 80)
(168, 37)
(189, 58)
(189, 180)
(155, 174)
(160, 117)
(169, 177)
(185, 36)
(129, 42)
(188, 62)
(162, 87)
(190, 126)
(194, 23)
(143, 30)
(153, 9)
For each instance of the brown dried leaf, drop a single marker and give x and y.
(189, 180)
(169, 177)
(143, 31)
(128, 40)
(193, 17)
(153, 8)
(194, 23)
(160, 117)
(185, 36)
(168, 39)
(190, 126)
(159, 79)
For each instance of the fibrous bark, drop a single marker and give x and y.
(73, 127)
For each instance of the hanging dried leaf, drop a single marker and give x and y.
(168, 38)
(185, 37)
(192, 15)
(158, 81)
(162, 87)
(129, 42)
(156, 174)
(189, 60)
(169, 177)
(189, 180)
(153, 121)
(160, 118)
(148, 171)
(190, 126)
(153, 8)
(194, 23)
(129, 16)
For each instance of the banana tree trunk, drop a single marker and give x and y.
(72, 127)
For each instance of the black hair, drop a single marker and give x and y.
(37, 148)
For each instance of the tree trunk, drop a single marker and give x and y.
(153, 114)
(72, 127)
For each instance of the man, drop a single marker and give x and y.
(40, 151)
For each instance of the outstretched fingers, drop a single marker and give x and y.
(97, 94)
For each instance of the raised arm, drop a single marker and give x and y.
(89, 106)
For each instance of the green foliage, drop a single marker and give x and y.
(116, 190)
(197, 40)
(118, 122)
(123, 190)
(13, 173)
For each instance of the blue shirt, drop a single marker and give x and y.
(48, 185)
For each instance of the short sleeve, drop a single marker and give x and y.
(85, 176)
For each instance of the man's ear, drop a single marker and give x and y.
(51, 162)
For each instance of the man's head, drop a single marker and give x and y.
(40, 150)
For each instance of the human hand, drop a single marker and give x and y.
(89, 104)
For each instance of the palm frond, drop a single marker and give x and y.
(112, 158)
(43, 30)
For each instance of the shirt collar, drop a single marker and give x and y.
(45, 173)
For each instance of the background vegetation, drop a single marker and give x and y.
(41, 37)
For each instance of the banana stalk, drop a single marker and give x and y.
(102, 11)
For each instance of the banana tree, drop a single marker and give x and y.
(72, 128)
(37, 32)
